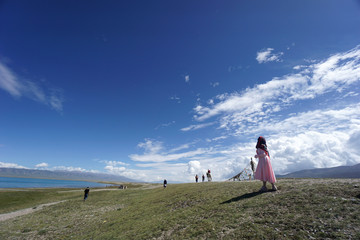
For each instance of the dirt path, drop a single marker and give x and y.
(6, 216)
(91, 190)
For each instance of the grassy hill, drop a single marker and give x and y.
(301, 209)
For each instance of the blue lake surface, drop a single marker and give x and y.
(11, 182)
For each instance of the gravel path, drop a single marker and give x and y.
(6, 216)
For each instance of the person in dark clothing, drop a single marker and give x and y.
(86, 193)
(165, 183)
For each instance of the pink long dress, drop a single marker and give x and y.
(264, 171)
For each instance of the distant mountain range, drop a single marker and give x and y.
(62, 175)
(335, 172)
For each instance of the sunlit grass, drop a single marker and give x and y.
(301, 209)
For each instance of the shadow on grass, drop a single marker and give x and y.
(242, 197)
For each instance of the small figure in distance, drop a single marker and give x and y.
(165, 183)
(196, 178)
(86, 193)
(264, 171)
(208, 175)
(203, 177)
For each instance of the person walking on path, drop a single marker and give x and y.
(165, 183)
(264, 171)
(86, 193)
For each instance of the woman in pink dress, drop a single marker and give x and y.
(264, 171)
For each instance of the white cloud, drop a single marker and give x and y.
(215, 84)
(18, 87)
(114, 163)
(312, 149)
(335, 73)
(194, 167)
(113, 169)
(10, 165)
(71, 169)
(313, 139)
(267, 56)
(116, 167)
(187, 78)
(298, 67)
(151, 146)
(41, 165)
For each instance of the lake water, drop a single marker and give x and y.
(11, 182)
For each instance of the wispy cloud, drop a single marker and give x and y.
(164, 125)
(19, 87)
(196, 126)
(162, 157)
(289, 47)
(56, 100)
(267, 55)
(9, 82)
(154, 151)
(235, 68)
(334, 74)
(181, 147)
(175, 98)
(217, 139)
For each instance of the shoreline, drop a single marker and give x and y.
(82, 183)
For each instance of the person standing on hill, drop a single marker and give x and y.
(208, 174)
(264, 171)
(253, 166)
(86, 193)
(165, 183)
(196, 178)
(203, 177)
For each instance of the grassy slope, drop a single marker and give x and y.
(301, 209)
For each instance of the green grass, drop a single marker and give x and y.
(301, 209)
(15, 200)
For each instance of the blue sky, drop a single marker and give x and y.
(168, 89)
